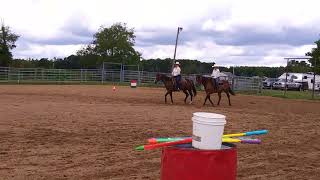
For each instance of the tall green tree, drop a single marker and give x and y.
(7, 43)
(315, 54)
(114, 43)
(299, 66)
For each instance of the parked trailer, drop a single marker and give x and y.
(298, 81)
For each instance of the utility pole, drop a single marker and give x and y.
(314, 69)
(175, 48)
(285, 86)
(314, 77)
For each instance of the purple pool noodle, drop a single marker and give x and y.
(251, 141)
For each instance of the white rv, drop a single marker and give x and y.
(297, 81)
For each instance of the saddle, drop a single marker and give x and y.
(175, 82)
(217, 82)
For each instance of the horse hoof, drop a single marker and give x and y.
(190, 102)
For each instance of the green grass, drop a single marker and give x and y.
(290, 94)
(248, 92)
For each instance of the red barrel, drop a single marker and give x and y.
(133, 83)
(187, 163)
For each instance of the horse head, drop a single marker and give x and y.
(199, 79)
(158, 78)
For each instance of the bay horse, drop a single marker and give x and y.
(210, 87)
(186, 85)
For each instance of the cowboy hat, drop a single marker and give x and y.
(177, 63)
(215, 65)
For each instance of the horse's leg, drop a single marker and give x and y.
(165, 97)
(210, 101)
(226, 91)
(219, 94)
(185, 99)
(205, 100)
(191, 95)
(171, 97)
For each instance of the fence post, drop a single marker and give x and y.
(42, 74)
(121, 73)
(85, 75)
(81, 75)
(59, 75)
(102, 74)
(18, 76)
(111, 75)
(141, 77)
(35, 74)
(260, 85)
(234, 81)
(138, 75)
(8, 74)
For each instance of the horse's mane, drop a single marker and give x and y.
(165, 76)
(205, 78)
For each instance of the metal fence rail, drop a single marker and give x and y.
(4, 74)
(38, 75)
(240, 83)
(48, 75)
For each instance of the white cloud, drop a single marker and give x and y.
(267, 55)
(45, 51)
(43, 24)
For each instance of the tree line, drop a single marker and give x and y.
(151, 65)
(115, 44)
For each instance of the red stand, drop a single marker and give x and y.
(133, 83)
(193, 164)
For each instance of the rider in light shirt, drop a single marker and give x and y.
(176, 74)
(215, 74)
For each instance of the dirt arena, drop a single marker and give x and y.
(89, 132)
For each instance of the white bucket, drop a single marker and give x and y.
(207, 130)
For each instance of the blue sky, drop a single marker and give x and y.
(230, 32)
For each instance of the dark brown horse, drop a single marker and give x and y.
(210, 87)
(186, 85)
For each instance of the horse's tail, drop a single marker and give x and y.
(231, 91)
(193, 88)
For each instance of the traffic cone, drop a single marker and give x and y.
(114, 88)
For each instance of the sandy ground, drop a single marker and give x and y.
(89, 132)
